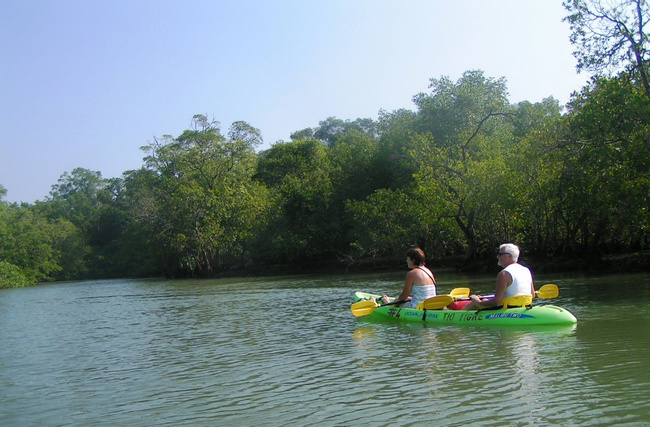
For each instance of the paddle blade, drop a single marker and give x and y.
(363, 308)
(548, 291)
(459, 293)
(437, 302)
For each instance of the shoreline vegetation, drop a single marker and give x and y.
(463, 172)
(610, 264)
(628, 263)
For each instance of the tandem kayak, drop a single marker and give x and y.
(520, 316)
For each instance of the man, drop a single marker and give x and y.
(514, 279)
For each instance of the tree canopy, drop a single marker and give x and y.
(463, 172)
(611, 36)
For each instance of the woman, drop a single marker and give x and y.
(420, 283)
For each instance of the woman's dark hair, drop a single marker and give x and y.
(416, 255)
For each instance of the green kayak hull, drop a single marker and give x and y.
(520, 316)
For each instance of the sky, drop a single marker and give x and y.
(86, 83)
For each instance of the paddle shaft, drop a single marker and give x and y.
(548, 291)
(391, 303)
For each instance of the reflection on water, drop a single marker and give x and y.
(287, 351)
(464, 371)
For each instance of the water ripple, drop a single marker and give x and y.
(250, 353)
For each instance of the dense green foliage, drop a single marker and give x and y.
(461, 174)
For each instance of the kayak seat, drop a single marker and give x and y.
(517, 301)
(458, 305)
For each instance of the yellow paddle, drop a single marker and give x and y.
(438, 302)
(364, 308)
(459, 293)
(545, 292)
(548, 291)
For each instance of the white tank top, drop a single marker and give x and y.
(522, 280)
(420, 293)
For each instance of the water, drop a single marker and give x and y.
(287, 351)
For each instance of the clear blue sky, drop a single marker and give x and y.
(86, 83)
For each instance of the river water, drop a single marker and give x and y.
(286, 351)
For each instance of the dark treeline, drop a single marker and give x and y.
(462, 173)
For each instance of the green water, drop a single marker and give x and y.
(287, 351)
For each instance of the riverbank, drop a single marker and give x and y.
(621, 263)
(634, 262)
